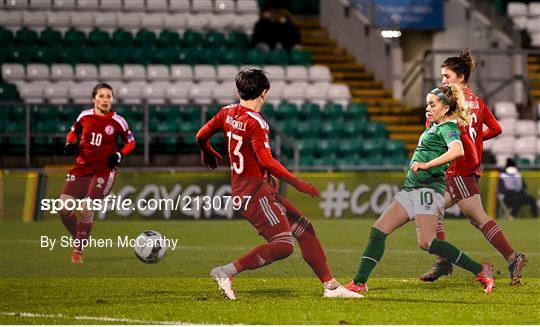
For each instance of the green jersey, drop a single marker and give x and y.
(432, 144)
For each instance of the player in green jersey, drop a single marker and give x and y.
(422, 196)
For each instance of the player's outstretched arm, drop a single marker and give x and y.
(209, 156)
(455, 151)
(267, 161)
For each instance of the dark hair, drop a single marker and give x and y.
(101, 86)
(462, 65)
(251, 83)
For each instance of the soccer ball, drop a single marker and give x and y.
(150, 246)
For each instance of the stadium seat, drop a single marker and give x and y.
(348, 147)
(133, 72)
(14, 19)
(105, 20)
(254, 57)
(16, 4)
(505, 109)
(516, 9)
(247, 7)
(202, 93)
(178, 93)
(182, 6)
(276, 93)
(26, 36)
(376, 130)
(37, 72)
(152, 21)
(202, 6)
(503, 148)
(237, 39)
(40, 5)
(134, 5)
(332, 111)
(204, 73)
(527, 147)
(87, 20)
(34, 19)
(329, 129)
(13, 72)
(157, 6)
(50, 37)
(224, 93)
(319, 74)
(296, 74)
(110, 5)
(63, 5)
(199, 22)
(131, 92)
(181, 73)
(61, 72)
(110, 72)
(277, 57)
(306, 129)
(214, 40)
(295, 92)
(355, 111)
(57, 93)
(525, 127)
(88, 5)
(508, 126)
(318, 93)
(226, 73)
(63, 20)
(9, 92)
(394, 148)
(175, 22)
(157, 73)
(86, 72)
(224, 6)
(81, 93)
(275, 73)
(232, 57)
(300, 57)
(339, 93)
(128, 21)
(33, 92)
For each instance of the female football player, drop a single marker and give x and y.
(422, 196)
(464, 173)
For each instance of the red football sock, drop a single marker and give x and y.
(70, 221)
(265, 254)
(83, 231)
(311, 247)
(493, 233)
(441, 235)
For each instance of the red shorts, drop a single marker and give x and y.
(270, 213)
(462, 187)
(89, 182)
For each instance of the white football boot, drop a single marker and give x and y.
(224, 282)
(341, 292)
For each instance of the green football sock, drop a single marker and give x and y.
(454, 255)
(373, 253)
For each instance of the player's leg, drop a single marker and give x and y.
(99, 186)
(426, 226)
(393, 217)
(272, 224)
(312, 250)
(75, 187)
(473, 210)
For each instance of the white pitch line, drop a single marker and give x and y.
(88, 318)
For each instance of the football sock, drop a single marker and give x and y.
(265, 254)
(441, 235)
(83, 231)
(229, 269)
(493, 233)
(331, 284)
(70, 221)
(311, 249)
(454, 255)
(372, 255)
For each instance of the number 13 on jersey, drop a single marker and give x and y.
(237, 167)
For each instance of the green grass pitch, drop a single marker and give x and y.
(39, 286)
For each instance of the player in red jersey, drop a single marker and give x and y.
(251, 160)
(97, 156)
(463, 174)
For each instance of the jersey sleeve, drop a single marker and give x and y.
(493, 126)
(259, 138)
(450, 133)
(211, 127)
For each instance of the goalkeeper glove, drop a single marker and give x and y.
(114, 159)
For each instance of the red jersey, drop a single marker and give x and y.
(246, 133)
(99, 136)
(473, 137)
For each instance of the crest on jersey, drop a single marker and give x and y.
(109, 129)
(453, 134)
(100, 182)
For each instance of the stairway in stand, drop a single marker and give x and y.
(403, 123)
(533, 67)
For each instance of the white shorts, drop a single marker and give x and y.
(422, 201)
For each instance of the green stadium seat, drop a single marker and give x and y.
(168, 39)
(232, 57)
(98, 37)
(70, 112)
(188, 56)
(277, 57)
(214, 40)
(136, 126)
(287, 127)
(74, 37)
(325, 161)
(307, 146)
(192, 39)
(26, 36)
(6, 36)
(396, 161)
(309, 111)
(166, 112)
(71, 54)
(50, 37)
(15, 127)
(121, 38)
(210, 56)
(373, 147)
(117, 55)
(394, 148)
(44, 126)
(93, 55)
(376, 130)
(299, 57)
(8, 92)
(307, 161)
(140, 55)
(164, 56)
(329, 128)
(332, 111)
(350, 147)
(165, 126)
(45, 54)
(327, 147)
(306, 129)
(189, 126)
(356, 111)
(145, 38)
(44, 113)
(268, 110)
(348, 161)
(286, 111)
(237, 40)
(21, 54)
(254, 57)
(18, 112)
